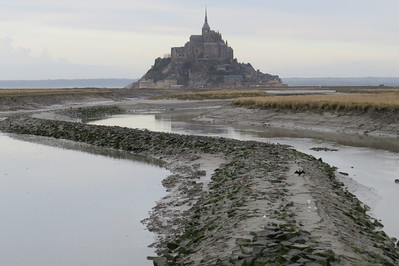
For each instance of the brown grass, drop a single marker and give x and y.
(44, 92)
(337, 102)
(392, 90)
(208, 95)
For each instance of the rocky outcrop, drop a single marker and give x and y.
(253, 212)
(206, 60)
(206, 73)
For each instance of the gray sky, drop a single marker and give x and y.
(47, 39)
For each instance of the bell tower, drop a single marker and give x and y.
(206, 28)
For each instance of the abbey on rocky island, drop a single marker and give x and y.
(208, 46)
(206, 60)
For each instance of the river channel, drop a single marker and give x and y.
(370, 164)
(69, 207)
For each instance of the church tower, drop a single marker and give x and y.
(206, 28)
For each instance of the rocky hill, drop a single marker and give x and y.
(206, 60)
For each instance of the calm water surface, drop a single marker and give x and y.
(372, 163)
(66, 207)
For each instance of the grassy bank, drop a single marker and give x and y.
(337, 102)
(209, 95)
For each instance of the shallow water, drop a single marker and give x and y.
(372, 163)
(67, 207)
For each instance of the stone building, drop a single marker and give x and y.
(206, 60)
(208, 46)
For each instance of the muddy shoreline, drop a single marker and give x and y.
(255, 209)
(214, 111)
(372, 124)
(233, 202)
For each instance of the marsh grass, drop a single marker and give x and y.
(392, 90)
(44, 92)
(209, 95)
(337, 102)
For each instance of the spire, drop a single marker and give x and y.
(206, 27)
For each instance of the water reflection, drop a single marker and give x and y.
(66, 207)
(97, 150)
(137, 121)
(182, 123)
(163, 123)
(371, 161)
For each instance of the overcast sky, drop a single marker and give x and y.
(48, 39)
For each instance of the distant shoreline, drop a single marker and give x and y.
(66, 83)
(121, 83)
(337, 81)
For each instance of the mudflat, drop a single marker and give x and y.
(233, 202)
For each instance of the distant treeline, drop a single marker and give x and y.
(66, 83)
(367, 81)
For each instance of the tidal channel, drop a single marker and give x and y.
(68, 207)
(369, 164)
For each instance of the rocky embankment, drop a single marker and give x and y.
(255, 210)
(91, 113)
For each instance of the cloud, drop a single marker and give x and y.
(18, 63)
(11, 55)
(129, 34)
(307, 19)
(339, 68)
(115, 15)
